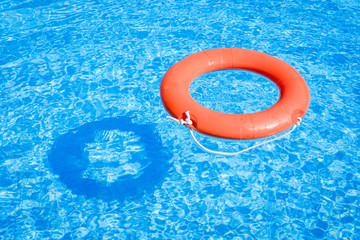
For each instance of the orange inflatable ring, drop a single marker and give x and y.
(293, 103)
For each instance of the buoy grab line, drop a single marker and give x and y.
(187, 121)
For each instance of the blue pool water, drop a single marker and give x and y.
(86, 151)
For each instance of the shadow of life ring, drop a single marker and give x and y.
(292, 105)
(69, 158)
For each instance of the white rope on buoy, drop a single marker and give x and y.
(244, 150)
(187, 121)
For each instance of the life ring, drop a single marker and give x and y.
(293, 102)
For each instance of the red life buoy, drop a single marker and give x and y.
(293, 103)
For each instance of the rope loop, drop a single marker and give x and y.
(188, 121)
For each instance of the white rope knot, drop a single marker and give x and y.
(187, 121)
(299, 121)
